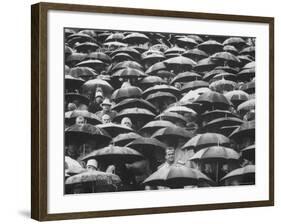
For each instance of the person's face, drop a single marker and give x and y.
(170, 156)
(127, 123)
(106, 107)
(106, 119)
(99, 100)
(80, 121)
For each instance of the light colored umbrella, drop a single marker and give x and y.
(114, 129)
(247, 105)
(92, 85)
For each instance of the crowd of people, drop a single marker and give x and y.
(147, 111)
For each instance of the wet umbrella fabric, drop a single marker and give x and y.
(114, 129)
(125, 138)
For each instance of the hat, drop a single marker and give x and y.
(92, 162)
(99, 94)
(106, 102)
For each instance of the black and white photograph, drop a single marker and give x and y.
(157, 111)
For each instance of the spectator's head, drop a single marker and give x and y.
(99, 97)
(80, 120)
(92, 164)
(106, 105)
(106, 119)
(71, 107)
(127, 122)
(82, 107)
(170, 155)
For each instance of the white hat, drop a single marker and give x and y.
(92, 162)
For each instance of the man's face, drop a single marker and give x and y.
(80, 120)
(106, 119)
(170, 155)
(106, 107)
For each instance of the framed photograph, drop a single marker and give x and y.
(140, 111)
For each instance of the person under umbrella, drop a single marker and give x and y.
(106, 109)
(92, 164)
(127, 122)
(95, 105)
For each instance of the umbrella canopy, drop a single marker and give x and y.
(90, 117)
(225, 58)
(85, 132)
(223, 85)
(134, 102)
(186, 77)
(151, 81)
(237, 42)
(205, 140)
(215, 114)
(249, 87)
(237, 96)
(210, 46)
(86, 47)
(161, 97)
(205, 65)
(115, 155)
(171, 133)
(129, 73)
(135, 114)
(125, 92)
(181, 110)
(72, 83)
(224, 75)
(161, 88)
(176, 176)
(180, 61)
(222, 122)
(247, 105)
(82, 72)
(247, 129)
(175, 49)
(135, 38)
(153, 126)
(99, 56)
(195, 54)
(91, 86)
(127, 64)
(127, 50)
(216, 153)
(186, 42)
(246, 74)
(172, 117)
(249, 153)
(193, 85)
(192, 95)
(71, 97)
(97, 177)
(75, 58)
(72, 166)
(231, 49)
(97, 65)
(251, 51)
(244, 175)
(114, 129)
(115, 37)
(251, 64)
(125, 138)
(213, 99)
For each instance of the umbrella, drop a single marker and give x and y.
(115, 129)
(205, 140)
(90, 117)
(251, 51)
(195, 54)
(247, 129)
(225, 58)
(71, 97)
(211, 74)
(129, 73)
(127, 64)
(161, 88)
(97, 178)
(210, 46)
(85, 132)
(72, 166)
(68, 32)
(180, 62)
(215, 114)
(82, 72)
(125, 138)
(153, 126)
(251, 64)
(135, 114)
(150, 81)
(237, 42)
(99, 56)
(249, 87)
(186, 42)
(224, 75)
(213, 99)
(67, 51)
(72, 83)
(249, 153)
(222, 85)
(115, 155)
(86, 47)
(193, 86)
(227, 130)
(197, 38)
(244, 59)
(136, 38)
(231, 49)
(164, 74)
(115, 37)
(134, 102)
(237, 96)
(186, 77)
(222, 122)
(121, 57)
(181, 110)
(155, 68)
(114, 44)
(150, 56)
(247, 105)
(172, 117)
(176, 176)
(79, 38)
(97, 65)
(192, 95)
(205, 65)
(147, 145)
(125, 92)
(128, 50)
(91, 86)
(75, 58)
(245, 175)
(246, 74)
(89, 32)
(229, 69)
(171, 133)
(174, 49)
